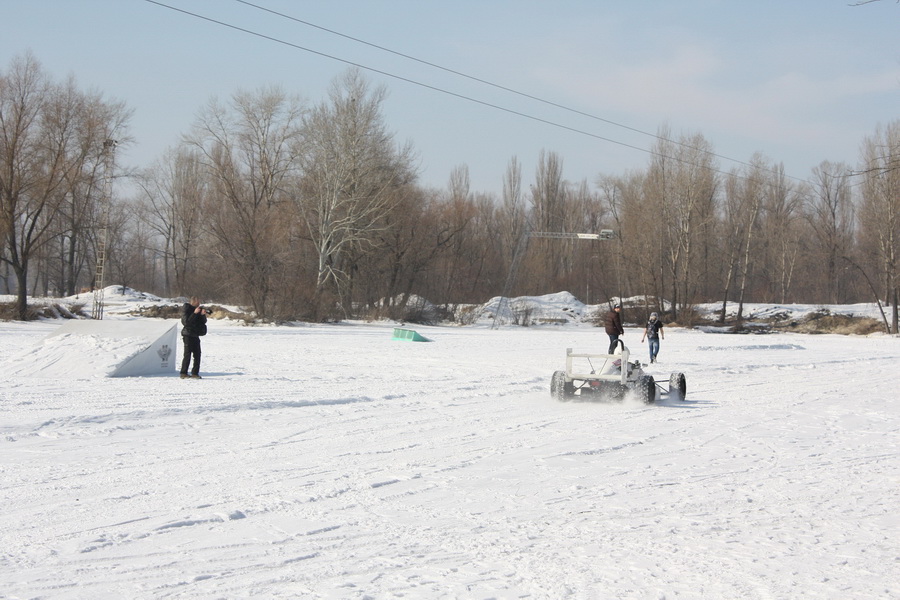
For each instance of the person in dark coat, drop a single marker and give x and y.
(193, 319)
(614, 327)
(652, 333)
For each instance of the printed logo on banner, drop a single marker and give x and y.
(164, 353)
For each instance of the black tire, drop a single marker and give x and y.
(561, 389)
(678, 386)
(646, 389)
(614, 391)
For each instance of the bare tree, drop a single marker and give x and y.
(584, 215)
(175, 192)
(513, 214)
(249, 151)
(407, 245)
(96, 121)
(549, 205)
(782, 213)
(744, 197)
(880, 208)
(633, 262)
(351, 173)
(130, 257)
(26, 188)
(50, 139)
(682, 185)
(831, 217)
(459, 210)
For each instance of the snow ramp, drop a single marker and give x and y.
(82, 349)
(408, 335)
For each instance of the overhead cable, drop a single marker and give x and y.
(465, 97)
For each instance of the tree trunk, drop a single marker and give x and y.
(21, 310)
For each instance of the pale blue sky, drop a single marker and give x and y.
(802, 81)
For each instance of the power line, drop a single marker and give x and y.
(448, 70)
(469, 98)
(492, 84)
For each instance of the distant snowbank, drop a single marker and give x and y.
(560, 308)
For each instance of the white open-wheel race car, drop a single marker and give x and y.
(611, 377)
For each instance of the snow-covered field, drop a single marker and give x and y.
(329, 461)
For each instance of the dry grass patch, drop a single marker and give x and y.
(825, 322)
(173, 311)
(33, 312)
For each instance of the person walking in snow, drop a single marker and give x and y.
(193, 319)
(652, 333)
(614, 327)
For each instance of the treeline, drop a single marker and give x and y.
(315, 212)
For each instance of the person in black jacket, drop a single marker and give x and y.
(193, 318)
(614, 327)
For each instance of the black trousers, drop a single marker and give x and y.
(613, 342)
(191, 348)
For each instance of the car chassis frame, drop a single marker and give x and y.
(611, 381)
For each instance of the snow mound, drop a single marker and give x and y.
(90, 349)
(558, 308)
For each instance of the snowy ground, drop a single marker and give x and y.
(328, 461)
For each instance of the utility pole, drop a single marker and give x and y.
(521, 246)
(109, 152)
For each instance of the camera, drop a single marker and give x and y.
(207, 310)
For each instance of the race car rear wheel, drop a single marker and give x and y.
(646, 389)
(561, 389)
(677, 385)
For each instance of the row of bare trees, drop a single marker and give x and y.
(279, 204)
(52, 138)
(315, 212)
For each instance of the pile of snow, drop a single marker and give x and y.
(110, 348)
(116, 297)
(548, 310)
(788, 312)
(559, 308)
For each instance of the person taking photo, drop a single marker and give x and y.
(193, 320)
